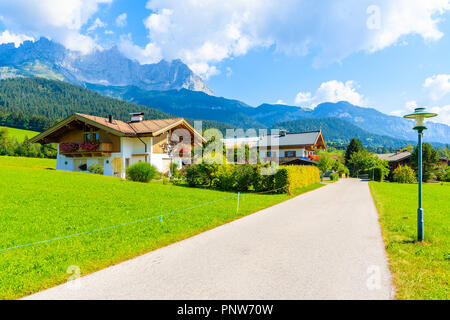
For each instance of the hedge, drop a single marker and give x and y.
(301, 176)
(242, 177)
(334, 176)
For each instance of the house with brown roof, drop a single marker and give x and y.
(84, 140)
(396, 159)
(285, 147)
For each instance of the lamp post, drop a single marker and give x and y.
(420, 114)
(373, 170)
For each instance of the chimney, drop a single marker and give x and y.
(137, 116)
(110, 118)
(283, 133)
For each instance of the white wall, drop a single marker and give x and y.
(128, 147)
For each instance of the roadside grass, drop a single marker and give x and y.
(22, 162)
(420, 270)
(20, 134)
(39, 204)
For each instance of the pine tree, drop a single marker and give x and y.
(354, 146)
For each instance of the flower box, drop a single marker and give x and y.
(68, 147)
(89, 146)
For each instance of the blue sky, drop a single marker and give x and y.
(390, 55)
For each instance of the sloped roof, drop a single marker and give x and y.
(396, 156)
(291, 139)
(118, 127)
(141, 127)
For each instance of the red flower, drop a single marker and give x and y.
(68, 147)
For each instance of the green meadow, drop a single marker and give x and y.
(420, 270)
(40, 203)
(19, 134)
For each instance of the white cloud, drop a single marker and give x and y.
(149, 54)
(229, 72)
(279, 101)
(17, 39)
(97, 24)
(109, 32)
(443, 112)
(331, 91)
(438, 86)
(58, 20)
(121, 20)
(209, 31)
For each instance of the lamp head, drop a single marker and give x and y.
(420, 114)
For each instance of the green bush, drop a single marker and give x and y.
(262, 182)
(225, 178)
(443, 174)
(141, 172)
(243, 176)
(377, 174)
(281, 180)
(334, 176)
(174, 170)
(96, 168)
(192, 175)
(404, 175)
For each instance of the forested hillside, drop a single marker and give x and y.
(338, 133)
(36, 103)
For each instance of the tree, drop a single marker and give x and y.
(326, 162)
(354, 146)
(430, 159)
(361, 161)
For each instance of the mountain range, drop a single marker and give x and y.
(51, 60)
(186, 103)
(174, 89)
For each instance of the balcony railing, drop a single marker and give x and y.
(85, 147)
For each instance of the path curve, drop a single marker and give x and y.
(325, 244)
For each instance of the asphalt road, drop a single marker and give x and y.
(325, 244)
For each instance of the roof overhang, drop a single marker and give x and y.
(177, 123)
(40, 138)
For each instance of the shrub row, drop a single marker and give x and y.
(301, 176)
(244, 177)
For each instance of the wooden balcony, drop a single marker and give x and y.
(104, 149)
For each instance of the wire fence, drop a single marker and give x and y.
(160, 216)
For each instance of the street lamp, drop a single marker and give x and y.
(420, 114)
(373, 170)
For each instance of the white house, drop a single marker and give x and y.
(286, 147)
(84, 140)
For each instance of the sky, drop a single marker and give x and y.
(389, 55)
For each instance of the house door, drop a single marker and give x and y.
(165, 165)
(117, 166)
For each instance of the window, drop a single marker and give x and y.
(289, 154)
(127, 163)
(271, 153)
(91, 135)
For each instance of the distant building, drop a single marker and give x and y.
(396, 159)
(285, 147)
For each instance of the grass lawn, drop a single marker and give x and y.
(39, 204)
(20, 134)
(420, 270)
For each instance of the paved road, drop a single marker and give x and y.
(325, 244)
